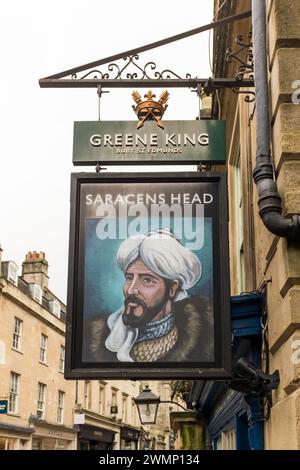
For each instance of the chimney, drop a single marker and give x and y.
(35, 269)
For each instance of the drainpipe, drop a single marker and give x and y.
(269, 201)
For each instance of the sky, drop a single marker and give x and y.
(43, 38)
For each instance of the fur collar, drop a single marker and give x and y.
(194, 320)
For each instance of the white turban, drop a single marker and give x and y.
(164, 255)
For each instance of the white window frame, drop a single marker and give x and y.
(40, 409)
(12, 272)
(61, 366)
(54, 307)
(60, 407)
(36, 292)
(17, 334)
(43, 348)
(101, 404)
(14, 391)
(87, 394)
(239, 222)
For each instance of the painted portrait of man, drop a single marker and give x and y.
(148, 291)
(158, 321)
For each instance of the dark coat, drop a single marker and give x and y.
(194, 321)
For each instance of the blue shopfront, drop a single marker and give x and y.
(233, 412)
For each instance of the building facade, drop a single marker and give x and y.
(106, 415)
(32, 344)
(259, 260)
(39, 409)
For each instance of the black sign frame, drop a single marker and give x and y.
(220, 367)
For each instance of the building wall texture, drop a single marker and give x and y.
(47, 431)
(266, 261)
(282, 430)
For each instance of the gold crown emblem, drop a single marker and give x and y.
(150, 110)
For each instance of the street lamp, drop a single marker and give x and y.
(147, 405)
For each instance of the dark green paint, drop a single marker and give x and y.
(84, 153)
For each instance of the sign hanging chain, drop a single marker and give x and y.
(99, 93)
(199, 93)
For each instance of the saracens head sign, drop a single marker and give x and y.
(178, 142)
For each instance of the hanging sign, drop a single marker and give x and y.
(178, 142)
(3, 406)
(148, 292)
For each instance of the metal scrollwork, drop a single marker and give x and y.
(95, 74)
(250, 95)
(246, 65)
(115, 71)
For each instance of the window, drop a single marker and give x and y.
(101, 408)
(7, 443)
(36, 292)
(41, 401)
(239, 224)
(54, 307)
(61, 367)
(43, 348)
(17, 334)
(87, 395)
(133, 412)
(227, 440)
(113, 397)
(60, 407)
(125, 408)
(12, 272)
(13, 404)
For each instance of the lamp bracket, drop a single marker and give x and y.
(252, 381)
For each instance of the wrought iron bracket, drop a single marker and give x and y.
(244, 57)
(208, 84)
(131, 74)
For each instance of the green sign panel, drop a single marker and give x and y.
(119, 142)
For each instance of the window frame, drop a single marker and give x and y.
(17, 334)
(41, 400)
(60, 406)
(61, 365)
(43, 349)
(239, 215)
(14, 392)
(101, 401)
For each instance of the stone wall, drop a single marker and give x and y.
(282, 266)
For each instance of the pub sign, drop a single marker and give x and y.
(176, 142)
(148, 288)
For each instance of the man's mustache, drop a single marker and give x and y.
(135, 300)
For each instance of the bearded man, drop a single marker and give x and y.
(158, 321)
